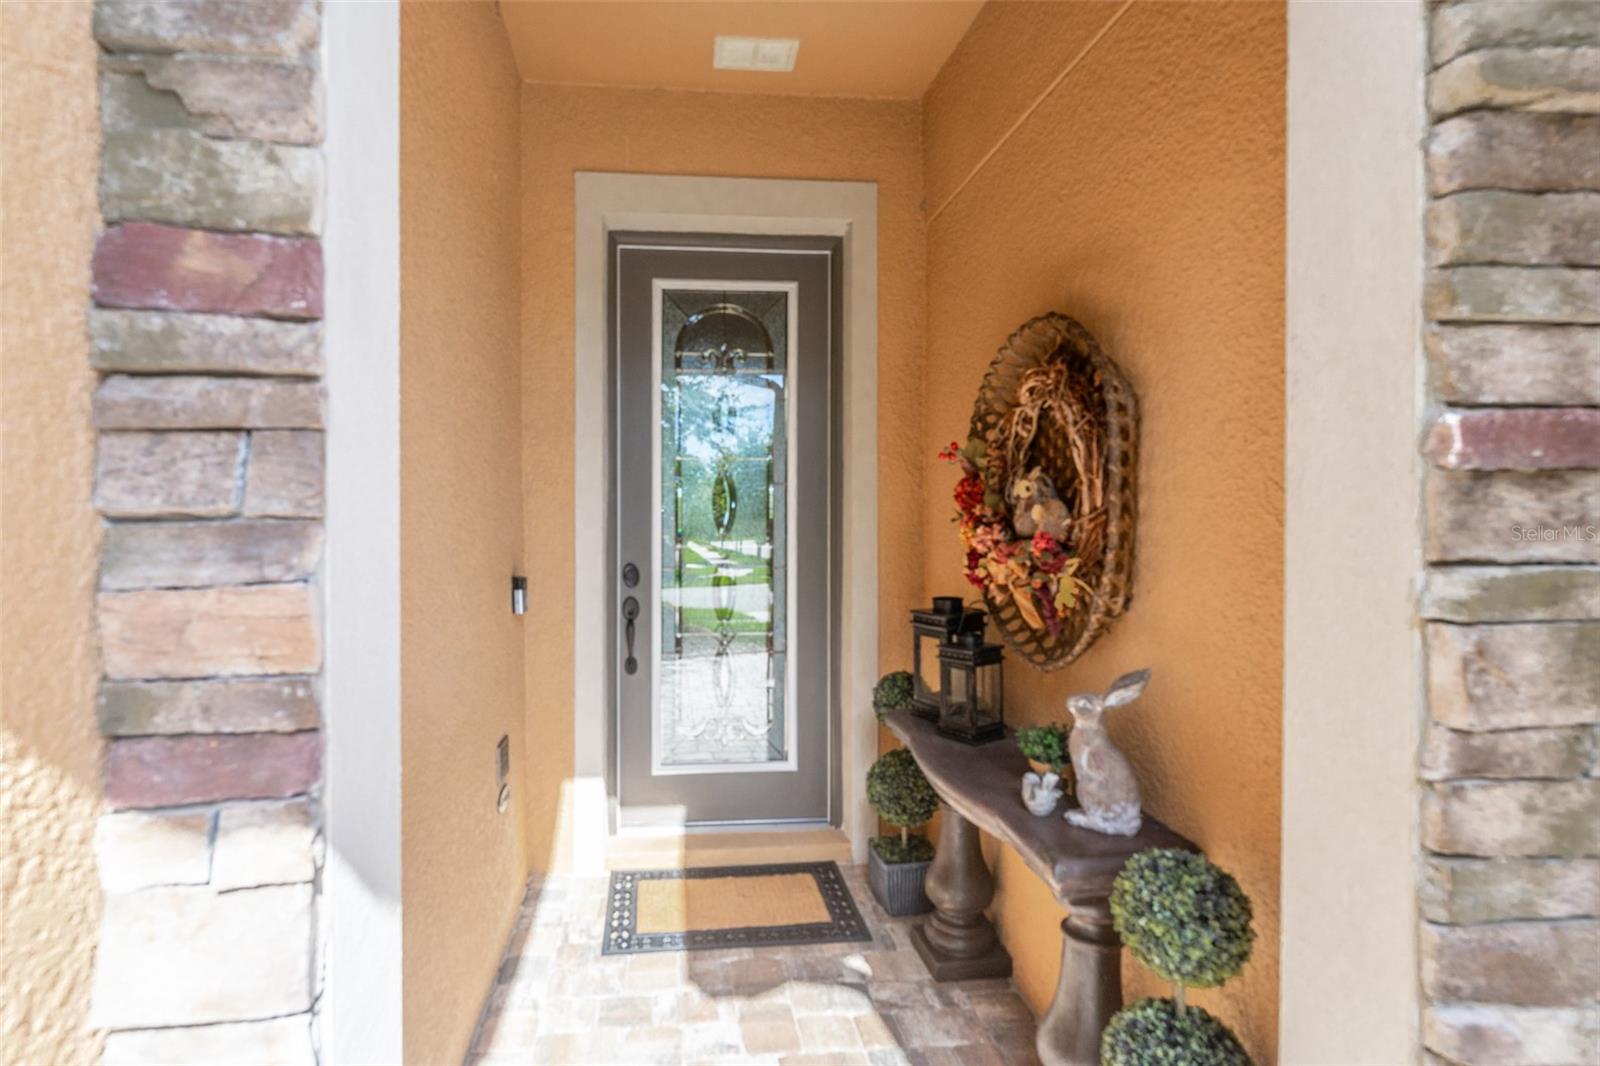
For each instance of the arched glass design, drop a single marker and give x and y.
(723, 337)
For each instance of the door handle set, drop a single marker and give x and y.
(630, 612)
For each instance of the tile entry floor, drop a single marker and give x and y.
(558, 1000)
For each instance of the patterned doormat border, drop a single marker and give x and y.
(622, 913)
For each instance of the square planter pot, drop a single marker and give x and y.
(898, 886)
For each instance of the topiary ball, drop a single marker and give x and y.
(892, 692)
(1183, 916)
(1150, 1033)
(898, 791)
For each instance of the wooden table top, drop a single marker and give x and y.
(983, 784)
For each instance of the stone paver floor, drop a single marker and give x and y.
(558, 1000)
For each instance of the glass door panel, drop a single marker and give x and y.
(722, 659)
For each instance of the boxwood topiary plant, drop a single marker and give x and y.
(903, 798)
(1183, 916)
(1152, 1033)
(892, 693)
(1045, 744)
(1188, 920)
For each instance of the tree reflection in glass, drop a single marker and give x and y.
(724, 567)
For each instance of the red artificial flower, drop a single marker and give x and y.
(1047, 611)
(969, 494)
(974, 568)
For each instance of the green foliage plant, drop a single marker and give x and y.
(902, 797)
(1045, 744)
(892, 693)
(894, 850)
(1188, 920)
(1151, 1032)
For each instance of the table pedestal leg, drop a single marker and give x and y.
(957, 943)
(1089, 991)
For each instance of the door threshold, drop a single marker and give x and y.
(694, 847)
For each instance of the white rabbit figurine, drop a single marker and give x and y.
(1039, 794)
(1107, 788)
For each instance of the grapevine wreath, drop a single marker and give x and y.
(1045, 504)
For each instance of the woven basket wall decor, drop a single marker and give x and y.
(1020, 435)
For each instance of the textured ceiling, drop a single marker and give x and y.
(872, 48)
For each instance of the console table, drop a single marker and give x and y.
(981, 789)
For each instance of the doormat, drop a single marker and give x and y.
(730, 907)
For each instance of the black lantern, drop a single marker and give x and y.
(930, 631)
(973, 704)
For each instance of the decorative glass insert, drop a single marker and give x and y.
(723, 656)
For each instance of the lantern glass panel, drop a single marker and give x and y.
(927, 663)
(989, 701)
(958, 692)
(974, 707)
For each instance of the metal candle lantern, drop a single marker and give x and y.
(973, 705)
(931, 630)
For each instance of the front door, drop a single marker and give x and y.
(725, 360)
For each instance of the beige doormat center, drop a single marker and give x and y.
(730, 906)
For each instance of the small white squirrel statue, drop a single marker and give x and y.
(1040, 792)
(1106, 786)
(1035, 505)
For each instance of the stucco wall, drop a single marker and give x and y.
(566, 129)
(463, 864)
(49, 746)
(1144, 196)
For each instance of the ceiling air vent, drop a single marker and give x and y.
(774, 54)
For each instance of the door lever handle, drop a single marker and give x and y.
(630, 611)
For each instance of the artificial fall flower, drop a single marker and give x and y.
(1028, 608)
(1052, 619)
(969, 494)
(1051, 563)
(987, 538)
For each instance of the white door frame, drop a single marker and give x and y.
(359, 916)
(1352, 704)
(607, 202)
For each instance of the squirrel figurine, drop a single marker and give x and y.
(1107, 788)
(1036, 506)
(1040, 792)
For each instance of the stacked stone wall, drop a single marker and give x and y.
(205, 331)
(1510, 766)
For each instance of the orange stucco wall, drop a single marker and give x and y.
(567, 129)
(1144, 196)
(49, 536)
(463, 863)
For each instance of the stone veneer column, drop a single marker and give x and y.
(205, 328)
(1510, 892)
